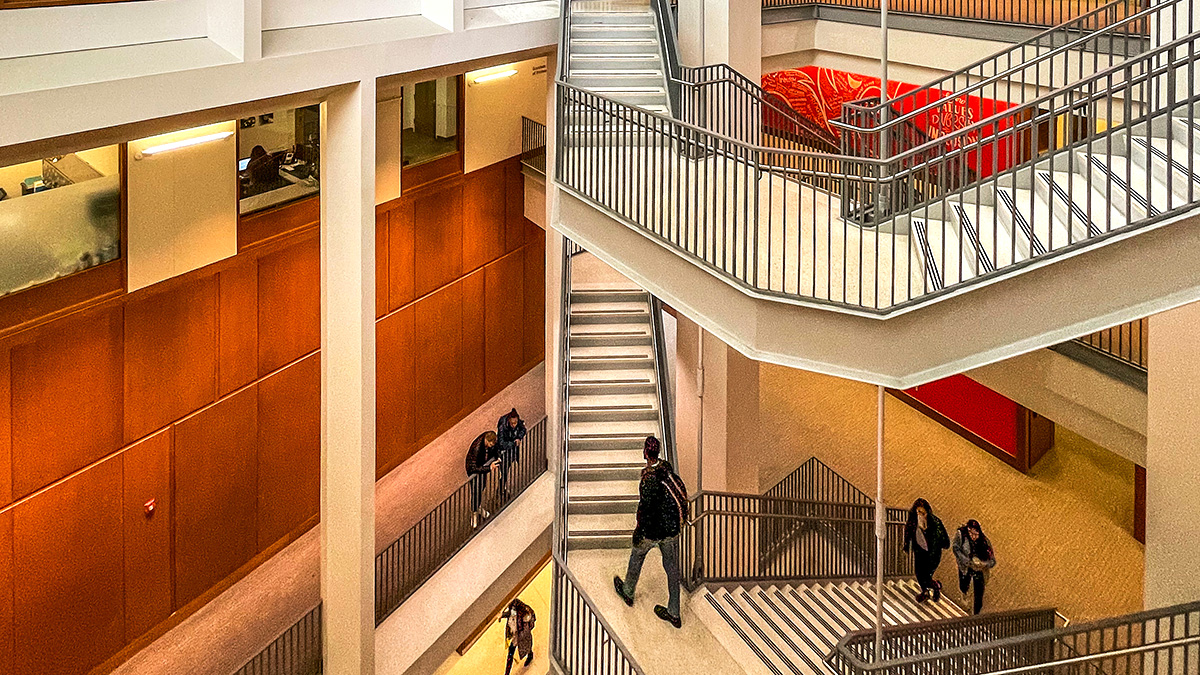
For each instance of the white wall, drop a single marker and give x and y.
(277, 135)
(387, 150)
(182, 210)
(50, 30)
(494, 110)
(294, 13)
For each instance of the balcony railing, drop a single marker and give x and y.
(296, 652)
(1020, 12)
(533, 145)
(581, 641)
(1128, 343)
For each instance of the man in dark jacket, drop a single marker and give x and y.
(482, 458)
(661, 513)
(510, 429)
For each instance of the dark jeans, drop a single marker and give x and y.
(512, 649)
(926, 564)
(670, 555)
(965, 580)
(508, 457)
(478, 484)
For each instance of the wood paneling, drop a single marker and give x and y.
(67, 394)
(170, 355)
(381, 264)
(238, 326)
(401, 255)
(535, 300)
(289, 449)
(505, 308)
(258, 228)
(514, 194)
(439, 344)
(44, 302)
(67, 545)
(437, 217)
(147, 468)
(483, 216)
(395, 428)
(474, 323)
(216, 493)
(6, 592)
(5, 427)
(289, 304)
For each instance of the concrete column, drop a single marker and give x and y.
(722, 31)
(348, 379)
(716, 413)
(1173, 459)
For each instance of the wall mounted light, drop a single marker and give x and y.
(495, 76)
(187, 142)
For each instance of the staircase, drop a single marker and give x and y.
(612, 406)
(789, 629)
(614, 51)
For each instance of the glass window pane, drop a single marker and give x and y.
(279, 157)
(59, 216)
(430, 129)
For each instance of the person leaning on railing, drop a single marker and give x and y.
(483, 457)
(662, 510)
(975, 560)
(510, 429)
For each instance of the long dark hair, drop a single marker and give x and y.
(983, 541)
(912, 514)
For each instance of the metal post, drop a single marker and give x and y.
(883, 193)
(880, 530)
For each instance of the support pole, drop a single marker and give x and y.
(880, 528)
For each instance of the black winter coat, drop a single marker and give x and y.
(662, 503)
(506, 436)
(479, 455)
(935, 537)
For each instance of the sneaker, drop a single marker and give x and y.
(484, 513)
(529, 659)
(937, 591)
(620, 588)
(662, 613)
(923, 595)
(475, 520)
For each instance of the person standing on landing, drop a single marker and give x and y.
(975, 560)
(510, 429)
(662, 511)
(483, 457)
(926, 536)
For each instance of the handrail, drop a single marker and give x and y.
(562, 571)
(666, 404)
(561, 476)
(1125, 651)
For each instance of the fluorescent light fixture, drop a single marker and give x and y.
(495, 76)
(187, 142)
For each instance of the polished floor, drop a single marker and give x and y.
(488, 655)
(235, 626)
(1063, 534)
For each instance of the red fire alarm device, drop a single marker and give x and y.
(149, 508)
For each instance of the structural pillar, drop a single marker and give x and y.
(348, 379)
(1173, 459)
(717, 435)
(722, 31)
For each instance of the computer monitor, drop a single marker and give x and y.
(243, 163)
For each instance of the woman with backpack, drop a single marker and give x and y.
(925, 536)
(975, 560)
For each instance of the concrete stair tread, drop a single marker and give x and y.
(614, 402)
(1075, 188)
(622, 329)
(1145, 190)
(602, 488)
(605, 351)
(632, 375)
(631, 457)
(622, 523)
(993, 235)
(581, 430)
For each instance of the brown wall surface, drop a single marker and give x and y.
(202, 393)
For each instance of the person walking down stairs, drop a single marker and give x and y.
(661, 513)
(975, 560)
(926, 536)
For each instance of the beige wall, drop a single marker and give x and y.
(494, 109)
(1173, 459)
(387, 150)
(279, 134)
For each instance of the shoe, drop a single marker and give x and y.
(937, 591)
(662, 613)
(529, 659)
(475, 520)
(923, 595)
(484, 514)
(620, 587)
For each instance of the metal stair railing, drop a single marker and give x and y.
(582, 642)
(1009, 12)
(1162, 641)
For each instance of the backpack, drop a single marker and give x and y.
(677, 491)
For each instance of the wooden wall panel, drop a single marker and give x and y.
(237, 326)
(5, 428)
(483, 216)
(67, 399)
(289, 449)
(395, 427)
(439, 368)
(535, 300)
(289, 304)
(438, 237)
(216, 492)
(170, 355)
(514, 220)
(147, 468)
(402, 262)
(474, 385)
(6, 592)
(381, 264)
(67, 585)
(505, 310)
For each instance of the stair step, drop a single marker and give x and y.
(1074, 201)
(628, 456)
(1184, 171)
(608, 295)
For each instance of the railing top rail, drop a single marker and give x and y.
(796, 500)
(1115, 653)
(1044, 635)
(587, 599)
(942, 624)
(1022, 64)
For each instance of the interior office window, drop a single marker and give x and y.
(58, 216)
(430, 129)
(279, 157)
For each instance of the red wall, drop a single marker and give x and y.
(978, 409)
(202, 393)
